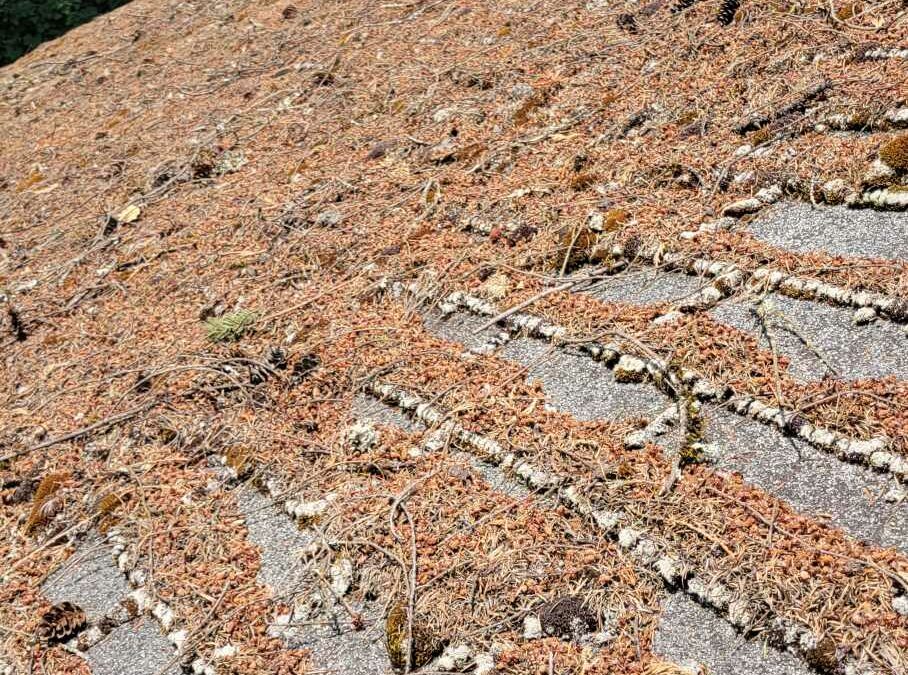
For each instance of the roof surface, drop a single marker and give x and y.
(563, 337)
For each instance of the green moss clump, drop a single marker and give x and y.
(230, 327)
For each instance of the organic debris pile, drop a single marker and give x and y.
(223, 224)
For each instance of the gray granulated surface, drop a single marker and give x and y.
(582, 387)
(88, 578)
(573, 383)
(844, 495)
(334, 645)
(690, 635)
(855, 352)
(367, 408)
(838, 230)
(496, 478)
(646, 286)
(461, 327)
(135, 648)
(278, 538)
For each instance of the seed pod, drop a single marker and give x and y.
(61, 622)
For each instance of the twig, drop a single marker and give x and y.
(398, 504)
(101, 424)
(570, 249)
(526, 303)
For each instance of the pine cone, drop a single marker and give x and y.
(15, 325)
(61, 622)
(276, 358)
(824, 656)
(681, 5)
(303, 368)
(22, 492)
(45, 507)
(628, 23)
(727, 11)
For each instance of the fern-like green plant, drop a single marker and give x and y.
(230, 327)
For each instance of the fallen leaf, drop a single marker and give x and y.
(129, 214)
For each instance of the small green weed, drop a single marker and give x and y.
(230, 327)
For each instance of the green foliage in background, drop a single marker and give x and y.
(24, 24)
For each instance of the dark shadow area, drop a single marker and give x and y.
(25, 24)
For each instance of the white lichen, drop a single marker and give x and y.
(630, 369)
(341, 573)
(628, 537)
(900, 604)
(532, 628)
(864, 316)
(742, 207)
(453, 659)
(362, 436)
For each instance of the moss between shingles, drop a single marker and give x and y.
(575, 243)
(895, 153)
(425, 644)
(694, 432)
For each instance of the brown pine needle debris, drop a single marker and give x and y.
(225, 226)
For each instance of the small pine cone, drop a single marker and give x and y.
(50, 509)
(632, 245)
(276, 358)
(824, 656)
(727, 11)
(61, 622)
(15, 324)
(23, 492)
(303, 368)
(627, 23)
(45, 505)
(681, 5)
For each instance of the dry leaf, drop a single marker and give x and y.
(129, 214)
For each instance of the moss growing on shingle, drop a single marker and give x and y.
(895, 153)
(426, 644)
